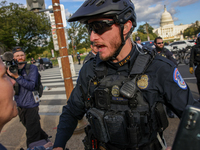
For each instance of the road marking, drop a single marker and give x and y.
(55, 84)
(50, 108)
(46, 81)
(54, 89)
(54, 97)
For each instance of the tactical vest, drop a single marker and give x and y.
(117, 113)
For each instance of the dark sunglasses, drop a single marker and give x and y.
(160, 43)
(99, 27)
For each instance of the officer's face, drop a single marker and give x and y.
(159, 43)
(107, 39)
(139, 41)
(8, 106)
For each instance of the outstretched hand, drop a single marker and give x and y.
(49, 144)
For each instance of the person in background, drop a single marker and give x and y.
(79, 58)
(195, 59)
(41, 64)
(162, 51)
(138, 41)
(33, 61)
(91, 54)
(26, 98)
(8, 105)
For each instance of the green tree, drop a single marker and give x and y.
(192, 31)
(18, 26)
(142, 28)
(79, 35)
(141, 32)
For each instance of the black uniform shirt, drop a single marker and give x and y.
(161, 82)
(88, 57)
(166, 53)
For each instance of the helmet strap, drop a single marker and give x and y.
(123, 41)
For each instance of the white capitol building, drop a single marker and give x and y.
(167, 29)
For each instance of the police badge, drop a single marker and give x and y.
(142, 83)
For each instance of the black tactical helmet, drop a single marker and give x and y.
(120, 10)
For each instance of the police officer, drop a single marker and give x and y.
(138, 41)
(195, 59)
(161, 50)
(79, 58)
(122, 88)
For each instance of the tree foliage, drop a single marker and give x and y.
(192, 31)
(79, 35)
(21, 27)
(141, 32)
(142, 28)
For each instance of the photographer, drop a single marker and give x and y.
(27, 106)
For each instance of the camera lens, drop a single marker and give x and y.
(13, 69)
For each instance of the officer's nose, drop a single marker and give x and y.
(94, 36)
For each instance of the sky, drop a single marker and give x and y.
(150, 11)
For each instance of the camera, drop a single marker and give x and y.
(13, 65)
(10, 62)
(102, 98)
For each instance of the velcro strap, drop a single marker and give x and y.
(140, 64)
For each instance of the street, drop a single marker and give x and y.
(54, 96)
(190, 79)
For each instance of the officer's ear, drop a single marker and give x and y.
(127, 27)
(155, 43)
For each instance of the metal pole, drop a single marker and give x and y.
(73, 48)
(62, 48)
(64, 59)
(147, 32)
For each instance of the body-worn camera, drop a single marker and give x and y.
(102, 98)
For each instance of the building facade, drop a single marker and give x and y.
(167, 29)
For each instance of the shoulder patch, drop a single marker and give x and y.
(178, 79)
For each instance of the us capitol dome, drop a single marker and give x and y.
(166, 18)
(167, 29)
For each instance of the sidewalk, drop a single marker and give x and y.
(13, 135)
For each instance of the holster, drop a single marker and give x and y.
(161, 116)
